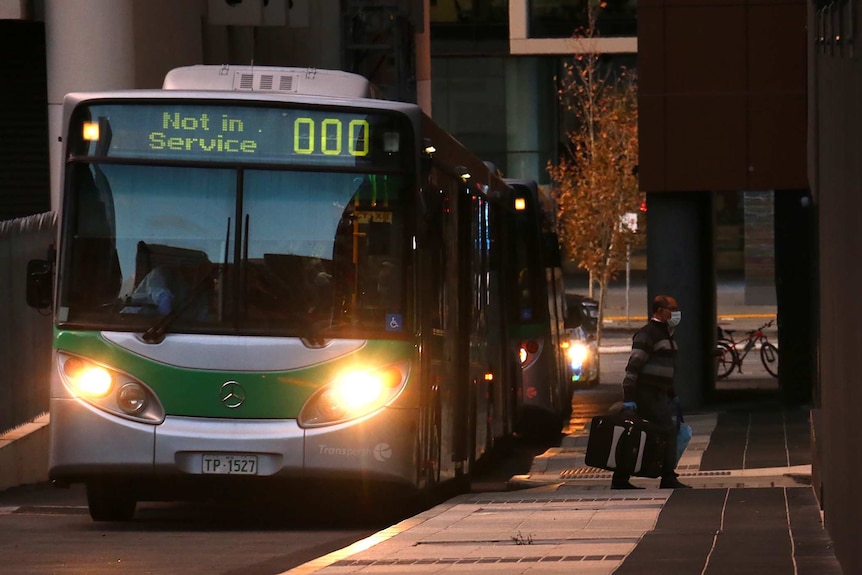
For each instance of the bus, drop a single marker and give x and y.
(264, 276)
(545, 394)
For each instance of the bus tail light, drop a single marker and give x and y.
(528, 352)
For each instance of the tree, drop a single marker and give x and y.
(595, 181)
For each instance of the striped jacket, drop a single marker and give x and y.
(652, 360)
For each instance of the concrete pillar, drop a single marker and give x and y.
(681, 263)
(519, 13)
(90, 46)
(796, 265)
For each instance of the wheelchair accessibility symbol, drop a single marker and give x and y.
(393, 322)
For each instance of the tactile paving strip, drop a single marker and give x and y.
(594, 473)
(475, 560)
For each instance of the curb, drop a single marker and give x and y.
(24, 454)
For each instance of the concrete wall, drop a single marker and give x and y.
(25, 337)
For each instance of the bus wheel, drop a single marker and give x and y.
(109, 501)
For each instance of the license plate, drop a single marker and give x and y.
(229, 464)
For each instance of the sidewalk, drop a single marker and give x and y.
(752, 510)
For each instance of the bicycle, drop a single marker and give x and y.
(728, 355)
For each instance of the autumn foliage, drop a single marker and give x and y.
(595, 181)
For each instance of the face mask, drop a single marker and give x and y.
(675, 317)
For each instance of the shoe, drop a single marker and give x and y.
(623, 485)
(672, 483)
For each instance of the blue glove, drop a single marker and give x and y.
(164, 301)
(630, 406)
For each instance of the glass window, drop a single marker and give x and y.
(458, 25)
(311, 251)
(564, 18)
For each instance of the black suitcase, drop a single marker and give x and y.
(624, 442)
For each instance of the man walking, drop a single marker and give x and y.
(648, 384)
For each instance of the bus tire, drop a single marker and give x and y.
(110, 501)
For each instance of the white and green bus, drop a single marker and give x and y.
(265, 275)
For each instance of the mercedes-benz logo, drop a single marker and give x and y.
(232, 394)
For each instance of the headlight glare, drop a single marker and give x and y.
(92, 381)
(578, 353)
(353, 394)
(359, 390)
(109, 390)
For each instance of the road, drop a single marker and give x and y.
(48, 531)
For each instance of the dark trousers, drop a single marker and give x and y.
(655, 406)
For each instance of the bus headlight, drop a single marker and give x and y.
(132, 398)
(109, 390)
(352, 395)
(578, 354)
(86, 379)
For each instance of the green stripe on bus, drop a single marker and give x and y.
(196, 392)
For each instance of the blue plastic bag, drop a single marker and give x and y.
(683, 433)
(683, 437)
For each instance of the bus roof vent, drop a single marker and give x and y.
(261, 82)
(305, 81)
(246, 81)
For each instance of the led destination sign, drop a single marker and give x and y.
(189, 133)
(247, 134)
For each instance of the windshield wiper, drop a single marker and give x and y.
(156, 332)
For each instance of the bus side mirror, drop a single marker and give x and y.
(40, 283)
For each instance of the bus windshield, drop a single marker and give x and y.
(234, 249)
